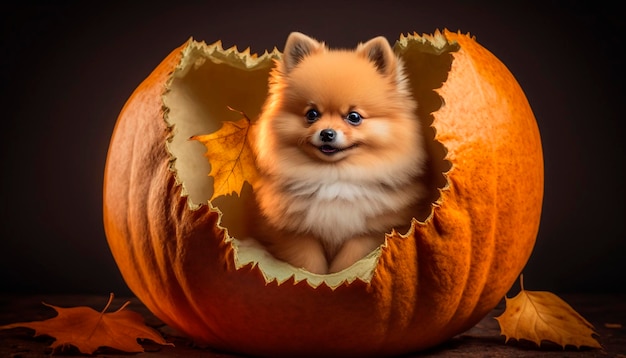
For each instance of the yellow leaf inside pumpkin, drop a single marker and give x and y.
(231, 157)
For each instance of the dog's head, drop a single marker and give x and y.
(339, 106)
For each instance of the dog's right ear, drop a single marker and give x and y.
(380, 53)
(299, 46)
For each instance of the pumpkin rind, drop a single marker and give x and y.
(430, 284)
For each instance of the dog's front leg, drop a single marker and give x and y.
(353, 250)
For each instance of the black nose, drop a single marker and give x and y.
(328, 135)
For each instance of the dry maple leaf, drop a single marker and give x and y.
(540, 315)
(231, 157)
(88, 329)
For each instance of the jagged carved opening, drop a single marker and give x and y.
(210, 79)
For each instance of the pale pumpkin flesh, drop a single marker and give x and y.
(181, 257)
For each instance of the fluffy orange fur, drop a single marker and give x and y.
(327, 199)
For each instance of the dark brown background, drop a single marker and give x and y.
(66, 72)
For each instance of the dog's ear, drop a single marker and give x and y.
(379, 52)
(299, 46)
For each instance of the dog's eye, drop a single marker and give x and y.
(354, 118)
(312, 115)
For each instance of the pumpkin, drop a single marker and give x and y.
(182, 256)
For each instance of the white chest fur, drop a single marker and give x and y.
(339, 210)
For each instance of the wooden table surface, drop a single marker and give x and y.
(606, 312)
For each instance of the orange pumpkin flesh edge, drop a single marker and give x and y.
(436, 281)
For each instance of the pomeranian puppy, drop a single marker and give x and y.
(339, 149)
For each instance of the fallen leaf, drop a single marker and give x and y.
(231, 157)
(538, 315)
(88, 329)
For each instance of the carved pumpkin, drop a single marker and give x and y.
(180, 254)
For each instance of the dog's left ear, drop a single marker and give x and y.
(299, 46)
(380, 53)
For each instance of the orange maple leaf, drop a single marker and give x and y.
(231, 157)
(88, 329)
(538, 315)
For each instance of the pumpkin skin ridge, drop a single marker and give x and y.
(448, 190)
(152, 301)
(108, 213)
(185, 278)
(482, 277)
(502, 78)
